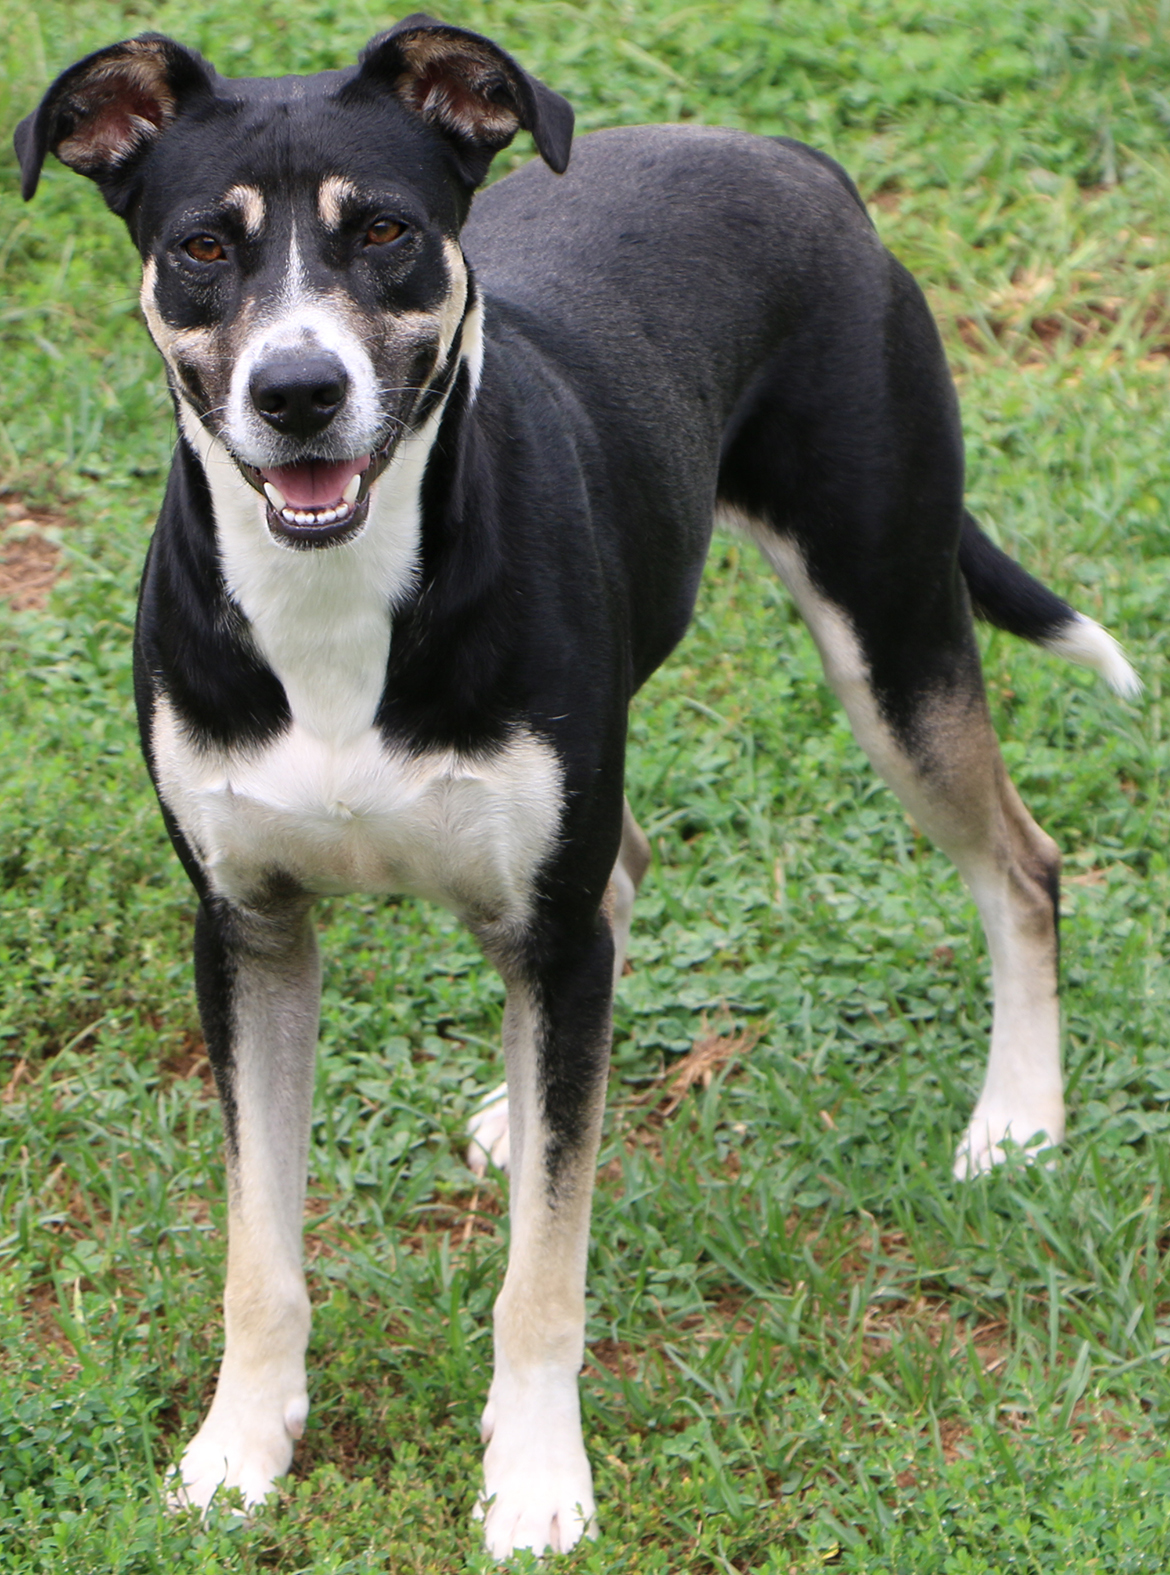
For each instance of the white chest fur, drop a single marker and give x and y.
(467, 831)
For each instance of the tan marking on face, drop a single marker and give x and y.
(441, 324)
(192, 343)
(248, 202)
(450, 314)
(334, 190)
(161, 332)
(205, 350)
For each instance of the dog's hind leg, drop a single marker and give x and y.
(488, 1127)
(942, 759)
(845, 464)
(258, 982)
(538, 1489)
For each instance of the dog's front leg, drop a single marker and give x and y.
(538, 1485)
(258, 981)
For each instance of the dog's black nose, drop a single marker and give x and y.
(299, 394)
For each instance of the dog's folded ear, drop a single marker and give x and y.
(469, 89)
(102, 113)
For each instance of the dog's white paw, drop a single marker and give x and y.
(538, 1491)
(245, 1442)
(1032, 1135)
(488, 1131)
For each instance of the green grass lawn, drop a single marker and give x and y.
(809, 1347)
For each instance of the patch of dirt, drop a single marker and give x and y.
(1028, 320)
(30, 564)
(44, 1329)
(952, 1434)
(889, 199)
(614, 1357)
(188, 1059)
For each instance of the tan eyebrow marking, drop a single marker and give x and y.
(335, 190)
(248, 201)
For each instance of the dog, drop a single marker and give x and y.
(443, 490)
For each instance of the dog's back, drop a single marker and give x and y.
(660, 280)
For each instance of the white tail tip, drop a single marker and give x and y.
(1085, 642)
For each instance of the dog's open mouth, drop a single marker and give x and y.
(318, 502)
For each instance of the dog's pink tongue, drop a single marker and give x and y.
(315, 484)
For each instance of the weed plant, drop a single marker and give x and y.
(809, 1347)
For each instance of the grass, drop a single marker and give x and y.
(808, 1346)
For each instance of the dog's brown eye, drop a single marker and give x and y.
(383, 231)
(204, 249)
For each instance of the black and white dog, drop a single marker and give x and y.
(441, 500)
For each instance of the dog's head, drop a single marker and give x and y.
(302, 271)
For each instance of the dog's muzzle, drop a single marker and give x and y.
(317, 501)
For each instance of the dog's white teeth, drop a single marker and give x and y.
(315, 516)
(276, 497)
(352, 487)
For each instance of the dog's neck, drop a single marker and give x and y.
(322, 618)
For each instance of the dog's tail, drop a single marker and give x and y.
(1004, 594)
